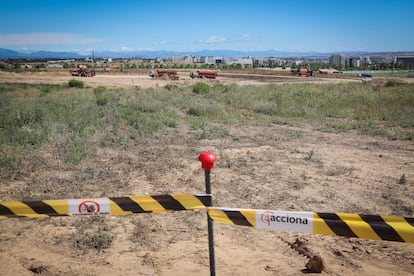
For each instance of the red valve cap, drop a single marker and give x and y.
(207, 159)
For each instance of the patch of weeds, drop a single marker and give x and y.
(393, 83)
(226, 161)
(8, 162)
(86, 174)
(196, 111)
(220, 88)
(337, 127)
(201, 88)
(23, 124)
(171, 87)
(101, 95)
(143, 232)
(340, 171)
(44, 90)
(140, 231)
(208, 131)
(283, 122)
(92, 233)
(112, 139)
(268, 108)
(100, 90)
(149, 106)
(76, 83)
(208, 110)
(309, 156)
(102, 101)
(147, 125)
(296, 134)
(78, 150)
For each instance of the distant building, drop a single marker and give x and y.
(405, 60)
(355, 61)
(265, 62)
(242, 61)
(54, 65)
(366, 60)
(214, 60)
(338, 60)
(182, 59)
(382, 59)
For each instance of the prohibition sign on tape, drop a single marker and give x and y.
(89, 207)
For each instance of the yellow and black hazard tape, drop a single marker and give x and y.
(375, 227)
(104, 206)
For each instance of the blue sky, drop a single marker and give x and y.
(182, 25)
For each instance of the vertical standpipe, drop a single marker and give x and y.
(207, 160)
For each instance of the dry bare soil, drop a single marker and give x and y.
(278, 168)
(141, 78)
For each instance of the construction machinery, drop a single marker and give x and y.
(303, 71)
(308, 73)
(82, 71)
(203, 74)
(162, 73)
(365, 77)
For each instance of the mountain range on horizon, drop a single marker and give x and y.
(12, 54)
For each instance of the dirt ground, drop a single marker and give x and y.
(141, 79)
(277, 168)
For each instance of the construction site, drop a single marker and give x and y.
(138, 133)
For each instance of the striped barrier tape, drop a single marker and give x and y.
(104, 206)
(375, 227)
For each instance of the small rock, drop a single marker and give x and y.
(315, 264)
(38, 269)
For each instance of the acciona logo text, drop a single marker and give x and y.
(270, 217)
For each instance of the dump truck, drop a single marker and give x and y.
(83, 72)
(307, 74)
(203, 74)
(161, 73)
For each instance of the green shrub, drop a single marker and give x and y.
(99, 90)
(171, 87)
(101, 95)
(76, 83)
(102, 100)
(45, 90)
(201, 88)
(204, 110)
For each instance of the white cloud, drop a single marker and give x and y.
(163, 42)
(215, 40)
(126, 49)
(246, 37)
(44, 39)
